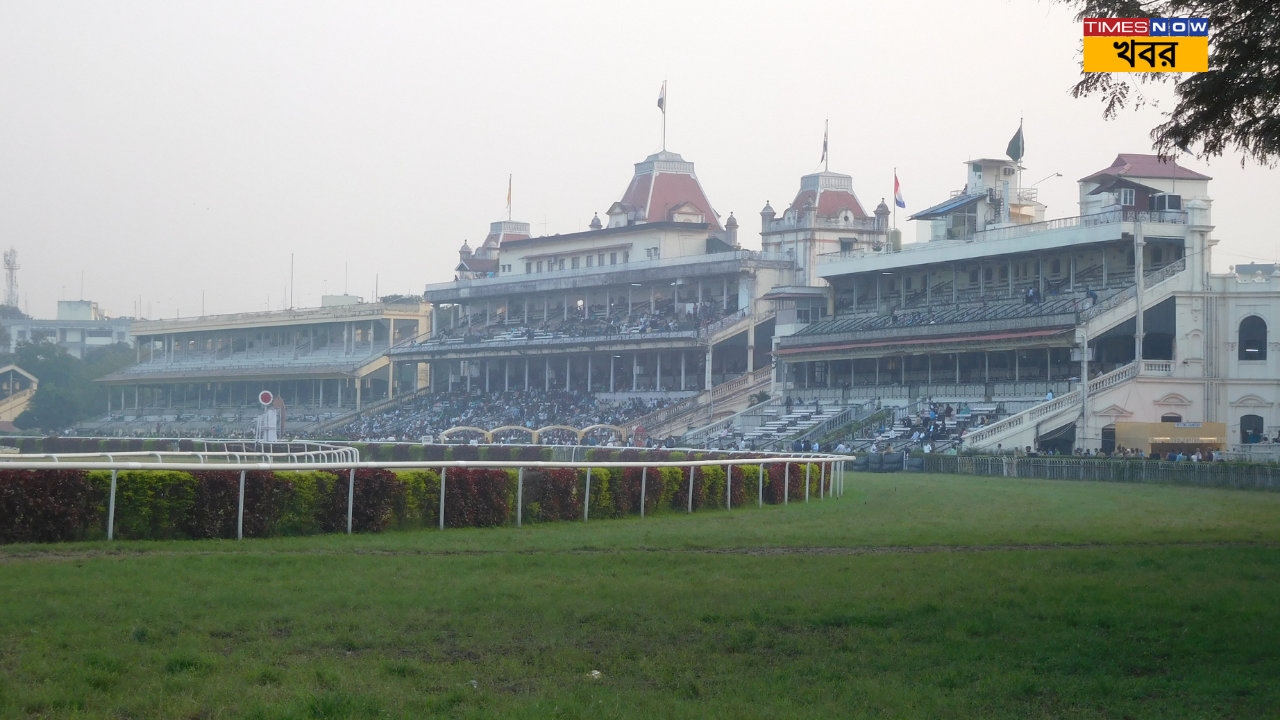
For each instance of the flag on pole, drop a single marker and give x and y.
(825, 133)
(662, 98)
(508, 197)
(1016, 147)
(897, 192)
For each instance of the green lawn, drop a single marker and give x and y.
(930, 610)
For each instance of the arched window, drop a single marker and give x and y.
(1253, 338)
(1171, 418)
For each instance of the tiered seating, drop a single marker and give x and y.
(952, 315)
(798, 421)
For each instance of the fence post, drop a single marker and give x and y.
(691, 488)
(822, 481)
(586, 503)
(520, 498)
(111, 508)
(644, 476)
(351, 498)
(728, 487)
(761, 499)
(786, 482)
(442, 474)
(240, 512)
(806, 481)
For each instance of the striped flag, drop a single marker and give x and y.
(662, 98)
(897, 192)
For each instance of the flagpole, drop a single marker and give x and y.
(895, 198)
(826, 154)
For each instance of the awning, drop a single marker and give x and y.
(786, 292)
(1057, 433)
(943, 209)
(916, 341)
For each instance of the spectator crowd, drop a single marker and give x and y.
(429, 415)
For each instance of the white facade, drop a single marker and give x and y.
(998, 316)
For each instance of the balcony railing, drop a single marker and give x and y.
(627, 267)
(1018, 231)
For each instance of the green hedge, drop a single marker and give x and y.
(59, 505)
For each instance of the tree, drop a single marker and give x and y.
(67, 392)
(1235, 106)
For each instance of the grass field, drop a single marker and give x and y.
(912, 596)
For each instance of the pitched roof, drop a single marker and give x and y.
(478, 265)
(1146, 166)
(831, 194)
(663, 182)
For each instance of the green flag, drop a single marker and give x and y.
(1016, 147)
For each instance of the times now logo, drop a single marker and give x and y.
(1145, 27)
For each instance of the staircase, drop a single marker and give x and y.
(1023, 428)
(1158, 287)
(12, 406)
(724, 399)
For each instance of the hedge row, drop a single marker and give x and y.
(63, 505)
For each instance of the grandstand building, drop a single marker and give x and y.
(1001, 312)
(658, 301)
(201, 373)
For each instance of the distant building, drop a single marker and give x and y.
(659, 302)
(195, 374)
(17, 387)
(80, 327)
(998, 311)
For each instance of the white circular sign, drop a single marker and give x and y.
(265, 397)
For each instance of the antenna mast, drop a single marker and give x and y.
(11, 268)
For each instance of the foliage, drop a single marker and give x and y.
(551, 494)
(601, 500)
(371, 503)
(418, 503)
(217, 500)
(1233, 106)
(150, 504)
(477, 497)
(301, 514)
(46, 505)
(67, 393)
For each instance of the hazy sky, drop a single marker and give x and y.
(173, 149)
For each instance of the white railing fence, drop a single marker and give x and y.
(831, 469)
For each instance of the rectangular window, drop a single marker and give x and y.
(600, 259)
(590, 260)
(1127, 197)
(626, 256)
(561, 265)
(613, 258)
(539, 266)
(528, 268)
(575, 263)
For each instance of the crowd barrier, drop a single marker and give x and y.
(1251, 476)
